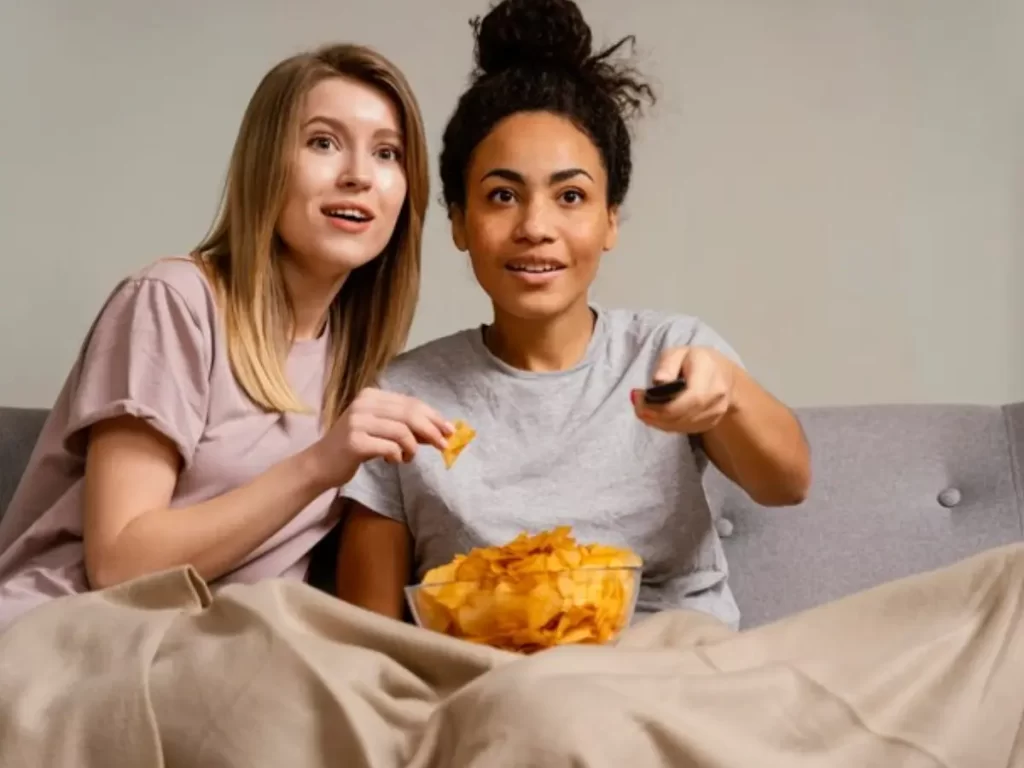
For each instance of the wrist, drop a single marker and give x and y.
(313, 470)
(738, 390)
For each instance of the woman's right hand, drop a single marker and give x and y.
(377, 424)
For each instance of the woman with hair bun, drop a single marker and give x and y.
(535, 164)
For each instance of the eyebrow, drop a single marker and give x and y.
(339, 127)
(517, 178)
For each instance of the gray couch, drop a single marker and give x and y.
(897, 490)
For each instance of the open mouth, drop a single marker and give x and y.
(357, 215)
(535, 268)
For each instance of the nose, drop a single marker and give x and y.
(534, 224)
(355, 173)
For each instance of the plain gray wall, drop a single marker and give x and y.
(837, 186)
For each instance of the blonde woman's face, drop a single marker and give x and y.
(347, 183)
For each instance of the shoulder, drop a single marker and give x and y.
(661, 329)
(644, 323)
(166, 304)
(170, 291)
(179, 276)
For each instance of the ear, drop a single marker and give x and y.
(612, 235)
(458, 223)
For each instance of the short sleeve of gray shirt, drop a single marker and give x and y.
(560, 448)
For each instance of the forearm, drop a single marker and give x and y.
(213, 536)
(374, 562)
(760, 445)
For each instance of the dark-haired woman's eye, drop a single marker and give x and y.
(573, 197)
(322, 143)
(501, 195)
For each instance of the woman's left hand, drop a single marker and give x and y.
(707, 398)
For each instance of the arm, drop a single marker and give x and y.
(759, 444)
(131, 472)
(749, 435)
(374, 561)
(140, 411)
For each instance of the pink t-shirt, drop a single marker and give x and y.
(158, 351)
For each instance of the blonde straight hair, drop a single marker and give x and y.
(369, 319)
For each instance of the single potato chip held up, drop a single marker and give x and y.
(460, 438)
(535, 592)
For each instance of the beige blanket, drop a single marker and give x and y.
(927, 671)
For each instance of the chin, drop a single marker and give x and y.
(343, 262)
(535, 306)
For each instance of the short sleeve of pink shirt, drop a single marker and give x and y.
(157, 351)
(149, 355)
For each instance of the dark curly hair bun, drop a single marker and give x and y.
(532, 33)
(537, 55)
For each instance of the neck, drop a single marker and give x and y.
(311, 298)
(542, 345)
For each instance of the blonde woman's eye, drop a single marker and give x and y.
(323, 143)
(390, 154)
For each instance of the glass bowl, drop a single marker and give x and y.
(531, 611)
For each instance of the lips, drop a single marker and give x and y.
(358, 214)
(534, 266)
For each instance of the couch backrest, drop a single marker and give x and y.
(896, 490)
(19, 429)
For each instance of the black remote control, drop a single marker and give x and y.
(664, 393)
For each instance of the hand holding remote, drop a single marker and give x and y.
(659, 394)
(691, 393)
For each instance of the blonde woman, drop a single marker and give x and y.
(219, 400)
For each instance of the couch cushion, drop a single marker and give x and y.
(19, 429)
(896, 490)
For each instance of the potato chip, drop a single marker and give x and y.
(535, 592)
(457, 442)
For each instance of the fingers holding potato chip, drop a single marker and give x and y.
(457, 442)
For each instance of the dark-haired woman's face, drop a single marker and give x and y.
(536, 219)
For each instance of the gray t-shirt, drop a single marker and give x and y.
(561, 448)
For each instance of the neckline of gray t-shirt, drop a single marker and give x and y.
(597, 342)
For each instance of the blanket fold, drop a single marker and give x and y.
(925, 672)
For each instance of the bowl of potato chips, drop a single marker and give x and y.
(536, 592)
